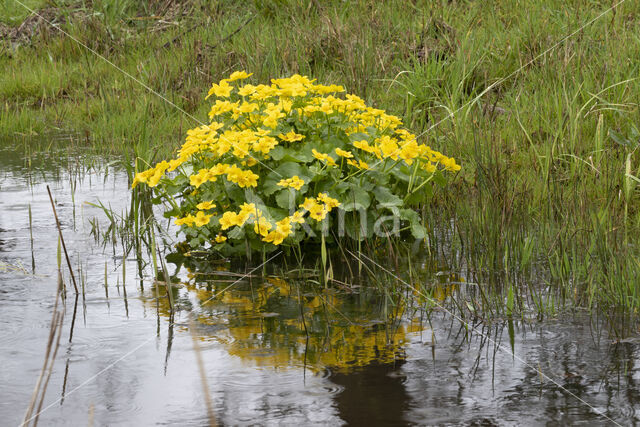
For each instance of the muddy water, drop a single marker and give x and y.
(275, 351)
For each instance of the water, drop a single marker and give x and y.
(275, 350)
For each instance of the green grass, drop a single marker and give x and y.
(547, 194)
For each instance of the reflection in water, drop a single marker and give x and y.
(374, 395)
(281, 325)
(276, 351)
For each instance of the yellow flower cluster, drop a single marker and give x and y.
(320, 206)
(291, 137)
(318, 209)
(223, 89)
(253, 128)
(249, 213)
(358, 164)
(198, 220)
(342, 153)
(323, 157)
(152, 176)
(244, 178)
(293, 182)
(247, 210)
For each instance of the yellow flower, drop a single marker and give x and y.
(291, 136)
(296, 182)
(262, 226)
(223, 90)
(240, 148)
(262, 92)
(187, 220)
(282, 231)
(220, 107)
(197, 180)
(205, 205)
(201, 177)
(249, 208)
(389, 147)
(220, 238)
(429, 167)
(323, 157)
(248, 179)
(308, 203)
(214, 126)
(142, 177)
(364, 146)
(284, 225)
(229, 219)
(271, 120)
(238, 75)
(265, 144)
(246, 90)
(293, 182)
(450, 164)
(297, 217)
(242, 178)
(343, 153)
(409, 151)
(318, 155)
(202, 219)
(276, 237)
(155, 178)
(173, 164)
(358, 164)
(242, 217)
(322, 89)
(328, 201)
(247, 107)
(318, 212)
(219, 169)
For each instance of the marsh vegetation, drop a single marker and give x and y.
(535, 236)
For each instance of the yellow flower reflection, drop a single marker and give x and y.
(262, 324)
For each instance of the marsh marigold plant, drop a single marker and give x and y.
(284, 163)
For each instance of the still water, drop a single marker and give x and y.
(275, 350)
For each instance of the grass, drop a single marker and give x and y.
(546, 211)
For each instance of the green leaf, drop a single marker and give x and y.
(236, 233)
(415, 224)
(172, 187)
(439, 179)
(410, 215)
(175, 258)
(270, 186)
(171, 213)
(291, 154)
(277, 153)
(289, 169)
(234, 192)
(356, 198)
(285, 198)
(418, 231)
(386, 198)
(359, 136)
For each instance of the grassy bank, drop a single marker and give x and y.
(545, 211)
